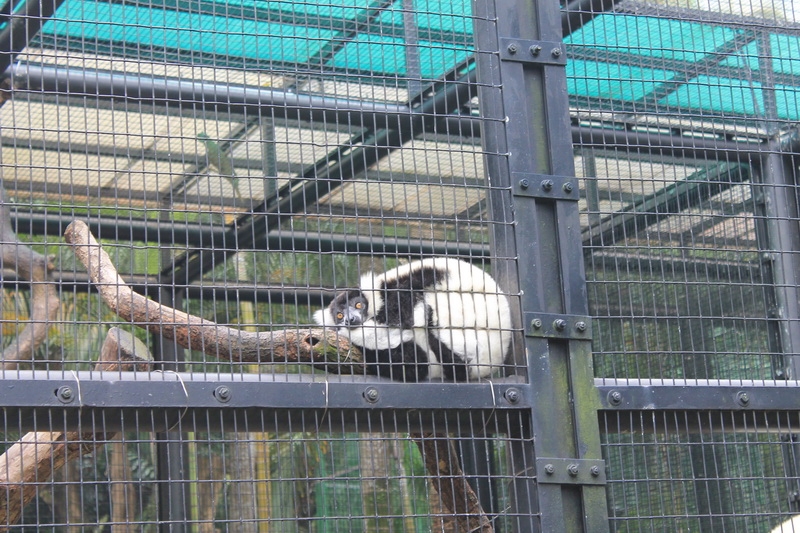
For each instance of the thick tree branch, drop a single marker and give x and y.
(37, 455)
(315, 346)
(441, 461)
(31, 266)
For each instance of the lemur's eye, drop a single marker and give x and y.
(359, 305)
(339, 315)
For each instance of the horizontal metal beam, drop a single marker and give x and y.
(36, 393)
(220, 97)
(613, 260)
(638, 405)
(681, 144)
(206, 236)
(698, 395)
(229, 292)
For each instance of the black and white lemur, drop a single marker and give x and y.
(438, 317)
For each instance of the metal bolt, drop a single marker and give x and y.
(524, 183)
(371, 394)
(536, 323)
(549, 469)
(743, 398)
(512, 395)
(560, 324)
(572, 469)
(222, 394)
(547, 185)
(65, 394)
(615, 397)
(580, 326)
(535, 49)
(556, 52)
(512, 48)
(567, 187)
(595, 471)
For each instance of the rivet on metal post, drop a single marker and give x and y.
(555, 52)
(512, 48)
(512, 395)
(65, 394)
(547, 185)
(549, 469)
(222, 394)
(572, 469)
(371, 394)
(615, 397)
(560, 324)
(742, 398)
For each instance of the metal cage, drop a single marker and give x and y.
(185, 183)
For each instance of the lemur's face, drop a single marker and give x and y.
(349, 309)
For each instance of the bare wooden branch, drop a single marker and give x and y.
(316, 346)
(441, 461)
(39, 454)
(31, 266)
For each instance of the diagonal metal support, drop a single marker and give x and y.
(677, 197)
(318, 180)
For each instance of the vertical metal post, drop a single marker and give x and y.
(530, 167)
(411, 50)
(782, 250)
(779, 246)
(172, 459)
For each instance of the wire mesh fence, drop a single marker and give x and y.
(700, 472)
(251, 473)
(689, 233)
(241, 164)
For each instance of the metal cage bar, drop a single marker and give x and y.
(524, 101)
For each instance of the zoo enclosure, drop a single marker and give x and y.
(317, 134)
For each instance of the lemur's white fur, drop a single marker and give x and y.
(470, 315)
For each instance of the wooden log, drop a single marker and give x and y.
(34, 267)
(441, 461)
(315, 346)
(37, 455)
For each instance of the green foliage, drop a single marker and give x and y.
(668, 481)
(651, 327)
